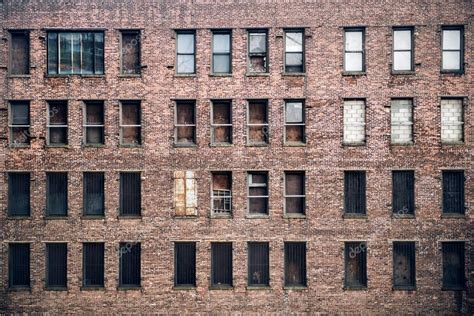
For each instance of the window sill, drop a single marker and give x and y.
(93, 145)
(55, 217)
(257, 74)
(222, 287)
(458, 143)
(295, 287)
(185, 217)
(57, 289)
(19, 289)
(92, 288)
(93, 217)
(454, 215)
(354, 144)
(454, 288)
(18, 217)
(129, 288)
(221, 216)
(294, 216)
(184, 145)
(402, 72)
(293, 74)
(353, 73)
(130, 146)
(65, 146)
(74, 75)
(220, 75)
(134, 217)
(401, 144)
(404, 288)
(258, 287)
(257, 216)
(294, 144)
(184, 287)
(176, 75)
(130, 75)
(19, 76)
(355, 288)
(355, 216)
(19, 146)
(257, 145)
(403, 216)
(455, 73)
(221, 145)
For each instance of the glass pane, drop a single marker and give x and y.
(57, 113)
(88, 53)
(130, 114)
(258, 43)
(221, 43)
(294, 112)
(221, 113)
(20, 114)
(131, 135)
(353, 41)
(58, 135)
(221, 64)
(295, 133)
(402, 61)
(20, 135)
(95, 114)
(451, 60)
(185, 113)
(294, 42)
(76, 53)
(185, 43)
(95, 135)
(130, 53)
(186, 64)
(294, 59)
(353, 62)
(99, 53)
(65, 55)
(52, 53)
(402, 40)
(451, 39)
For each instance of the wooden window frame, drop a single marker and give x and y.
(138, 103)
(215, 125)
(10, 54)
(461, 48)
(302, 52)
(411, 50)
(139, 44)
(229, 54)
(263, 125)
(188, 32)
(303, 123)
(363, 51)
(264, 55)
(259, 185)
(49, 126)
(85, 124)
(11, 126)
(193, 125)
(285, 195)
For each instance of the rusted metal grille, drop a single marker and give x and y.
(56, 265)
(355, 264)
(94, 193)
(295, 264)
(258, 270)
(93, 263)
(18, 194)
(221, 266)
(453, 265)
(19, 265)
(56, 197)
(404, 265)
(130, 267)
(354, 192)
(453, 191)
(403, 192)
(185, 264)
(130, 194)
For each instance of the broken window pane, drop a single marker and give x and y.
(403, 192)
(453, 265)
(18, 194)
(19, 123)
(57, 123)
(94, 193)
(258, 192)
(453, 192)
(294, 122)
(295, 264)
(295, 192)
(131, 123)
(130, 267)
(355, 264)
(354, 50)
(20, 53)
(257, 127)
(258, 269)
(131, 52)
(56, 194)
(354, 192)
(222, 193)
(185, 264)
(185, 53)
(404, 264)
(222, 122)
(185, 127)
(258, 51)
(130, 194)
(18, 265)
(221, 264)
(56, 265)
(94, 122)
(93, 265)
(452, 48)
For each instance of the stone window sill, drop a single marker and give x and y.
(294, 144)
(19, 289)
(93, 217)
(402, 72)
(455, 215)
(130, 146)
(257, 287)
(19, 76)
(256, 145)
(403, 216)
(355, 216)
(92, 288)
(18, 217)
(129, 288)
(125, 76)
(184, 287)
(175, 145)
(353, 73)
(74, 75)
(47, 288)
(56, 217)
(294, 216)
(354, 144)
(404, 288)
(401, 144)
(458, 143)
(223, 75)
(293, 74)
(221, 287)
(176, 75)
(221, 145)
(257, 74)
(93, 145)
(295, 287)
(257, 216)
(19, 146)
(64, 146)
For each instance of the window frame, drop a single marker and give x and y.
(412, 265)
(217, 286)
(463, 193)
(176, 125)
(47, 212)
(177, 33)
(462, 123)
(303, 51)
(11, 126)
(29, 174)
(265, 55)
(411, 50)
(411, 123)
(345, 197)
(49, 126)
(261, 185)
(285, 195)
(83, 283)
(12, 286)
(221, 32)
(10, 53)
(462, 246)
(363, 51)
(84, 214)
(396, 213)
(264, 125)
(121, 284)
(137, 103)
(139, 36)
(122, 197)
(175, 257)
(266, 244)
(214, 197)
(85, 125)
(362, 269)
(303, 124)
(461, 49)
(214, 125)
(286, 245)
(47, 263)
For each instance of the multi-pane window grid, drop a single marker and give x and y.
(185, 123)
(93, 265)
(56, 265)
(130, 194)
(453, 265)
(93, 122)
(294, 193)
(257, 50)
(404, 265)
(402, 49)
(452, 49)
(294, 122)
(354, 193)
(18, 194)
(452, 117)
(258, 192)
(221, 193)
(258, 264)
(403, 193)
(401, 121)
(257, 123)
(221, 50)
(19, 265)
(130, 123)
(185, 264)
(56, 194)
(19, 123)
(295, 264)
(221, 264)
(294, 51)
(185, 51)
(354, 122)
(20, 53)
(355, 257)
(93, 193)
(130, 266)
(354, 50)
(221, 125)
(453, 192)
(57, 123)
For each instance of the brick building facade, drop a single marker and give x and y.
(247, 156)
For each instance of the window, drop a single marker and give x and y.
(131, 52)
(19, 265)
(354, 50)
(294, 51)
(185, 264)
(221, 193)
(130, 265)
(57, 123)
(453, 192)
(258, 55)
(404, 265)
(258, 270)
(221, 48)
(185, 193)
(185, 123)
(452, 124)
(130, 123)
(402, 121)
(18, 194)
(93, 193)
(221, 126)
(186, 56)
(76, 53)
(94, 123)
(19, 122)
(258, 192)
(403, 49)
(355, 264)
(354, 122)
(295, 192)
(56, 194)
(354, 192)
(56, 265)
(130, 194)
(257, 123)
(453, 49)
(20, 53)
(453, 266)
(403, 192)
(294, 122)
(221, 265)
(295, 264)
(93, 265)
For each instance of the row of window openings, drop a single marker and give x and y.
(452, 122)
(83, 52)
(185, 190)
(295, 272)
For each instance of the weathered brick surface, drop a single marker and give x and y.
(324, 158)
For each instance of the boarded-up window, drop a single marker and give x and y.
(294, 51)
(56, 194)
(452, 121)
(295, 264)
(354, 192)
(20, 53)
(404, 265)
(221, 265)
(258, 270)
(130, 267)
(403, 192)
(185, 123)
(453, 192)
(185, 264)
(257, 122)
(257, 192)
(294, 122)
(56, 265)
(93, 265)
(93, 193)
(185, 52)
(94, 122)
(401, 121)
(221, 122)
(57, 123)
(221, 45)
(295, 192)
(355, 264)
(130, 123)
(354, 122)
(18, 194)
(19, 123)
(131, 52)
(354, 50)
(130, 194)
(185, 193)
(453, 265)
(19, 265)
(221, 193)
(258, 56)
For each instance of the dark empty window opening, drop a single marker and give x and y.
(130, 123)
(57, 123)
(258, 192)
(355, 264)
(19, 123)
(354, 192)
(131, 52)
(453, 192)
(221, 52)
(453, 266)
(56, 265)
(258, 51)
(294, 122)
(93, 193)
(130, 275)
(295, 264)
(221, 265)
(19, 265)
(185, 51)
(294, 51)
(354, 50)
(404, 265)
(185, 264)
(403, 49)
(185, 123)
(452, 49)
(257, 123)
(221, 193)
(56, 194)
(20, 53)
(130, 194)
(258, 269)
(221, 122)
(93, 265)
(403, 192)
(295, 192)
(18, 194)
(94, 122)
